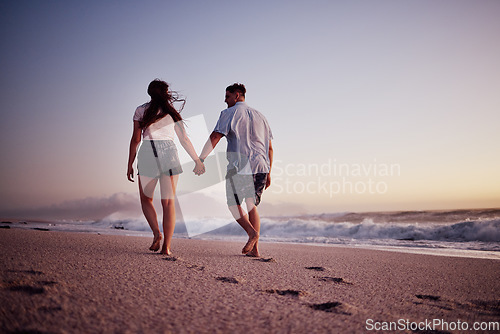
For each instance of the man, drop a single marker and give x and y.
(250, 157)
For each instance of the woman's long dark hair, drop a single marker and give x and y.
(161, 104)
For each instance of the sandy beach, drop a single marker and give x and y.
(61, 282)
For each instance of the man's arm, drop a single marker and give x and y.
(268, 182)
(210, 144)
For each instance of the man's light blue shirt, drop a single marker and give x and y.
(248, 134)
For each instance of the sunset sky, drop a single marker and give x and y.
(399, 95)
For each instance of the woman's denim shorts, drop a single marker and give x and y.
(157, 157)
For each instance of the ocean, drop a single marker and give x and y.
(464, 233)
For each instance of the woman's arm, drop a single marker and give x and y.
(188, 146)
(212, 141)
(134, 142)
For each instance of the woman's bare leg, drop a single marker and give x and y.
(146, 191)
(168, 224)
(167, 188)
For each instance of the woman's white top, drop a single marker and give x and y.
(162, 129)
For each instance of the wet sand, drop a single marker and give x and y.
(61, 282)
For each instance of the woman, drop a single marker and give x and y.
(157, 160)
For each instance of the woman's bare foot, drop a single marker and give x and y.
(250, 243)
(155, 246)
(165, 250)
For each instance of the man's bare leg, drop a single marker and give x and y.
(254, 218)
(242, 219)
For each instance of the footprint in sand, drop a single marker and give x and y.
(49, 283)
(336, 280)
(428, 297)
(20, 286)
(316, 268)
(172, 258)
(327, 307)
(31, 272)
(197, 267)
(266, 260)
(28, 289)
(233, 280)
(434, 301)
(292, 293)
(333, 307)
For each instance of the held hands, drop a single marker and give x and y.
(199, 167)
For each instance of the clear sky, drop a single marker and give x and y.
(374, 105)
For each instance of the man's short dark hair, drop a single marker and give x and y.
(237, 87)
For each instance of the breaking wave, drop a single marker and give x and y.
(487, 231)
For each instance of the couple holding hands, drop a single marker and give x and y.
(249, 154)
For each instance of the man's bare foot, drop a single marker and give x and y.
(252, 253)
(250, 243)
(155, 246)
